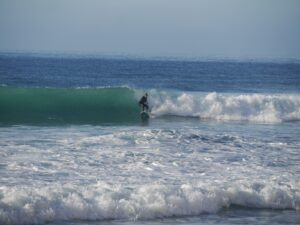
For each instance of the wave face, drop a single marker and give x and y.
(266, 108)
(67, 106)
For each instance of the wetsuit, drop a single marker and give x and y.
(144, 103)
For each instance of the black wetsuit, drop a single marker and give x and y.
(144, 103)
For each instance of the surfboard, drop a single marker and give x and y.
(144, 115)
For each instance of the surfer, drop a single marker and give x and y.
(143, 103)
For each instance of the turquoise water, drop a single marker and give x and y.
(221, 147)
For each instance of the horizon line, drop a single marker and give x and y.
(126, 56)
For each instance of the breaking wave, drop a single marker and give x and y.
(119, 105)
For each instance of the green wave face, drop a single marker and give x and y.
(67, 106)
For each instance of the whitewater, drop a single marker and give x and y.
(222, 145)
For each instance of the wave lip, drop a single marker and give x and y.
(235, 107)
(101, 201)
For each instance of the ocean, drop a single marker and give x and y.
(222, 145)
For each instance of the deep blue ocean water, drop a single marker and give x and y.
(222, 145)
(219, 76)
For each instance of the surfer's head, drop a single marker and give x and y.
(146, 94)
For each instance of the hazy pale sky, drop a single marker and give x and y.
(180, 28)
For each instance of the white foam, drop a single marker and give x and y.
(268, 108)
(28, 205)
(97, 173)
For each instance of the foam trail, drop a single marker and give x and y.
(269, 108)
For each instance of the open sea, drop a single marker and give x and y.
(222, 145)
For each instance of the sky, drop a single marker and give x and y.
(162, 28)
